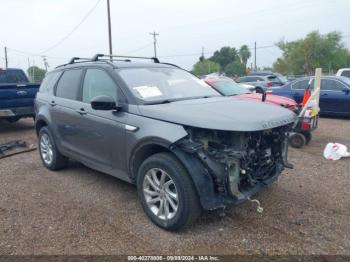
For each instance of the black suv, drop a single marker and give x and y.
(185, 146)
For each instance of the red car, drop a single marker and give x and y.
(228, 87)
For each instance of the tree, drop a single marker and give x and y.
(315, 50)
(244, 54)
(204, 67)
(225, 56)
(235, 68)
(36, 74)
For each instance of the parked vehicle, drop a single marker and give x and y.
(334, 93)
(185, 146)
(344, 72)
(261, 83)
(228, 87)
(280, 79)
(16, 95)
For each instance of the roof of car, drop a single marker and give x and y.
(116, 61)
(341, 78)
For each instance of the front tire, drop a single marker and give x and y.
(167, 193)
(50, 156)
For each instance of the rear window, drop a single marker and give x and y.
(69, 83)
(346, 73)
(254, 79)
(13, 76)
(302, 84)
(49, 81)
(273, 78)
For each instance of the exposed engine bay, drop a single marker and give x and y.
(239, 161)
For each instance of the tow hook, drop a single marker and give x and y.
(259, 208)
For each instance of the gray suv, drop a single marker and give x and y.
(186, 147)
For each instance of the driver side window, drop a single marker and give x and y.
(96, 83)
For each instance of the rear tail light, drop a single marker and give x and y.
(305, 125)
(269, 84)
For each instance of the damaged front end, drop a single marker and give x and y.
(239, 163)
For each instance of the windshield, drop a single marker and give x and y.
(157, 85)
(229, 88)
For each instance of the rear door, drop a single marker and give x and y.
(65, 118)
(298, 88)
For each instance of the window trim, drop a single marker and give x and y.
(59, 79)
(307, 80)
(53, 89)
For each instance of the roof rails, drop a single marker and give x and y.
(97, 56)
(109, 59)
(73, 59)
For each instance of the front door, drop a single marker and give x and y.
(333, 98)
(102, 139)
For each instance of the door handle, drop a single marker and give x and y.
(52, 103)
(325, 94)
(81, 111)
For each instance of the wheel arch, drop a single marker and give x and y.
(40, 122)
(202, 181)
(144, 150)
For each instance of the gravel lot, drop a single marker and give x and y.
(81, 211)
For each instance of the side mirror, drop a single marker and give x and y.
(103, 103)
(346, 91)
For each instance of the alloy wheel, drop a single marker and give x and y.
(160, 193)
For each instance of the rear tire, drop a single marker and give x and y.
(297, 140)
(172, 203)
(50, 156)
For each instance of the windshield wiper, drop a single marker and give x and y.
(166, 101)
(158, 102)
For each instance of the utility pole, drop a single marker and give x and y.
(109, 29)
(6, 61)
(201, 58)
(255, 57)
(154, 34)
(46, 64)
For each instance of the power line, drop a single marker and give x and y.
(211, 52)
(73, 30)
(140, 48)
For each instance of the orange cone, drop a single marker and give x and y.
(307, 94)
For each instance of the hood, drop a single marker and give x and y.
(221, 113)
(271, 99)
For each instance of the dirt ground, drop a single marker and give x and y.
(81, 211)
